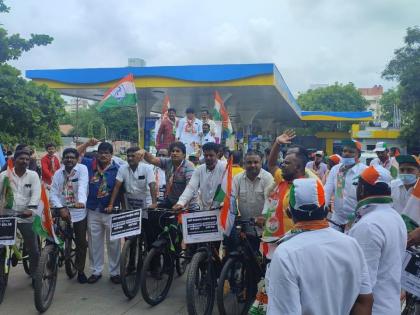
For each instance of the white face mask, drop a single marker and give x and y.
(408, 179)
(348, 161)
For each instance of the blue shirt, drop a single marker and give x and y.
(95, 201)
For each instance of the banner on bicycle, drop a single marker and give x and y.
(410, 279)
(125, 224)
(7, 231)
(201, 227)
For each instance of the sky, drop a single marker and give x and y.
(310, 41)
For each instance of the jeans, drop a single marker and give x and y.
(30, 240)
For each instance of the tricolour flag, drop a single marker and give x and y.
(8, 197)
(220, 114)
(43, 223)
(223, 195)
(121, 94)
(411, 213)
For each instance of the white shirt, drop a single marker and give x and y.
(250, 194)
(212, 124)
(319, 172)
(316, 273)
(382, 235)
(204, 182)
(399, 195)
(207, 138)
(160, 176)
(26, 190)
(345, 205)
(119, 160)
(136, 184)
(80, 183)
(189, 138)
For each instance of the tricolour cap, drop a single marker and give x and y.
(306, 192)
(335, 158)
(380, 147)
(376, 174)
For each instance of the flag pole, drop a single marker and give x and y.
(139, 131)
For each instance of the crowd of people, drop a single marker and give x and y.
(332, 226)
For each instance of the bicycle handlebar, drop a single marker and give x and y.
(14, 213)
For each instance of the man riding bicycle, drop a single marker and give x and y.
(21, 190)
(69, 191)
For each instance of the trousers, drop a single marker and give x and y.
(98, 232)
(30, 240)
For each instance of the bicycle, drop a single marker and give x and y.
(411, 304)
(205, 268)
(53, 256)
(164, 256)
(11, 255)
(244, 267)
(131, 262)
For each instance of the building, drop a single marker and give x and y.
(373, 96)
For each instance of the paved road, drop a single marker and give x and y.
(102, 298)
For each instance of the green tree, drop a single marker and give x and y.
(337, 98)
(28, 112)
(121, 123)
(387, 102)
(405, 69)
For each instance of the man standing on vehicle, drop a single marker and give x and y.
(167, 129)
(205, 180)
(189, 131)
(69, 191)
(102, 178)
(340, 184)
(382, 235)
(20, 190)
(315, 269)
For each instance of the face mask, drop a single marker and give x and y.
(348, 161)
(408, 179)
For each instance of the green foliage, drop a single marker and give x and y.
(405, 68)
(337, 98)
(114, 123)
(12, 47)
(29, 113)
(387, 102)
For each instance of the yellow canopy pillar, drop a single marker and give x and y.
(329, 137)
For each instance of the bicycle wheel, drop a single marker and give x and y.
(70, 257)
(409, 305)
(130, 266)
(200, 285)
(46, 278)
(4, 274)
(157, 275)
(236, 288)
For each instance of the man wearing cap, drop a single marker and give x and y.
(340, 184)
(382, 234)
(401, 188)
(317, 166)
(315, 269)
(384, 159)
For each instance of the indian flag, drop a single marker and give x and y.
(411, 213)
(223, 195)
(43, 222)
(8, 197)
(220, 114)
(121, 94)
